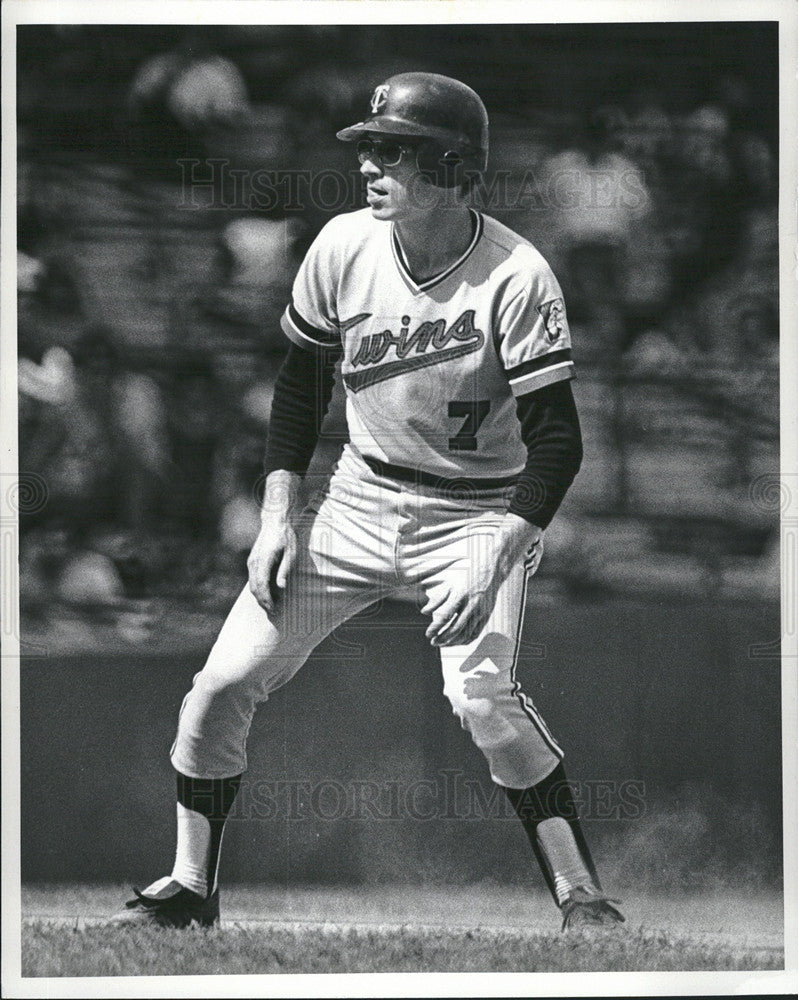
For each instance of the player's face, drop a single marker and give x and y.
(395, 188)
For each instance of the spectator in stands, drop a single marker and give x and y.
(256, 261)
(599, 197)
(178, 96)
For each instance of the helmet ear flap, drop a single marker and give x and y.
(444, 168)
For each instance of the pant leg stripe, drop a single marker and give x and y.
(526, 705)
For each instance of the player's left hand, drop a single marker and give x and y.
(460, 612)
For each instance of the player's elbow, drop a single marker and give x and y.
(572, 461)
(564, 448)
(571, 438)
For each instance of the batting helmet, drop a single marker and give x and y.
(446, 113)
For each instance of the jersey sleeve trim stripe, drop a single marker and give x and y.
(537, 380)
(302, 333)
(539, 364)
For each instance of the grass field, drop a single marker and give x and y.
(397, 929)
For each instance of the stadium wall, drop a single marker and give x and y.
(669, 714)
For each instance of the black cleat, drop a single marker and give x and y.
(587, 908)
(170, 905)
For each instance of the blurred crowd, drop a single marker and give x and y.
(152, 276)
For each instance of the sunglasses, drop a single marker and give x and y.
(388, 151)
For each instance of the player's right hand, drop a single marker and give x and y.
(271, 560)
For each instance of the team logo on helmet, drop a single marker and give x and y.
(553, 314)
(379, 98)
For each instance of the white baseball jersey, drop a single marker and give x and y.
(431, 368)
(431, 371)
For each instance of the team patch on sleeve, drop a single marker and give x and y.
(302, 333)
(534, 338)
(556, 366)
(553, 313)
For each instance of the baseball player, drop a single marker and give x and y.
(455, 357)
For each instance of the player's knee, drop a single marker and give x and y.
(215, 687)
(486, 724)
(482, 702)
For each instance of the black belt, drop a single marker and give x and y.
(460, 485)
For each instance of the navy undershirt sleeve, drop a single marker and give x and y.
(302, 396)
(553, 438)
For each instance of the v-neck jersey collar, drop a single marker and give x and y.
(436, 279)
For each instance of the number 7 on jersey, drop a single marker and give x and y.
(474, 412)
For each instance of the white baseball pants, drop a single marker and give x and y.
(369, 537)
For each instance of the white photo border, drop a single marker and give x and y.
(388, 12)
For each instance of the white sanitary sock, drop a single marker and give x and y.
(566, 864)
(193, 850)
